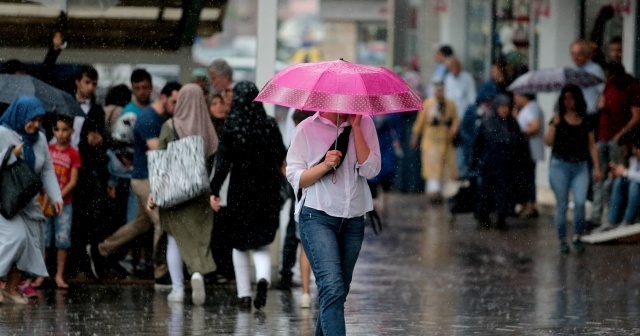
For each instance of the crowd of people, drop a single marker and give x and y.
(499, 136)
(96, 210)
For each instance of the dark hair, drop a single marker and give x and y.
(168, 89)
(13, 66)
(616, 40)
(529, 96)
(65, 119)
(119, 95)
(581, 104)
(300, 115)
(446, 51)
(87, 70)
(214, 96)
(614, 69)
(139, 75)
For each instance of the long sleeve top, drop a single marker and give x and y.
(461, 89)
(349, 196)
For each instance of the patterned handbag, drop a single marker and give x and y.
(178, 173)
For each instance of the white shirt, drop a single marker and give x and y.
(289, 126)
(633, 172)
(461, 89)
(350, 196)
(591, 94)
(526, 116)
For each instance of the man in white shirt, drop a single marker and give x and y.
(460, 87)
(581, 55)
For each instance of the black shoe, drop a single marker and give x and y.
(285, 284)
(163, 282)
(244, 303)
(483, 222)
(96, 260)
(578, 246)
(261, 294)
(501, 224)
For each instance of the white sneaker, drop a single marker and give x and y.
(197, 289)
(176, 296)
(305, 301)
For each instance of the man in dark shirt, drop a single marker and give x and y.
(145, 132)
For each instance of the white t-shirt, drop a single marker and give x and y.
(527, 115)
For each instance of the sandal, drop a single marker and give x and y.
(17, 299)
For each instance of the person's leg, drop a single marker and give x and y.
(142, 189)
(49, 227)
(633, 202)
(305, 272)
(289, 251)
(617, 195)
(579, 186)
(461, 161)
(350, 239)
(11, 287)
(262, 261)
(319, 233)
(559, 177)
(175, 264)
(129, 231)
(242, 270)
(598, 187)
(63, 242)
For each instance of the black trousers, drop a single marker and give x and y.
(290, 248)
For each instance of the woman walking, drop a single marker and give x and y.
(21, 237)
(572, 142)
(437, 125)
(251, 149)
(333, 198)
(188, 225)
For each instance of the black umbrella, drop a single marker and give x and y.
(55, 100)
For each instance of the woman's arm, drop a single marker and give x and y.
(418, 126)
(597, 175)
(224, 160)
(48, 177)
(550, 137)
(362, 148)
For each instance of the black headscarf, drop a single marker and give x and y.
(246, 120)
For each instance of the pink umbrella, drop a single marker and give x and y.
(341, 87)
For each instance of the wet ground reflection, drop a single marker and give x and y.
(422, 276)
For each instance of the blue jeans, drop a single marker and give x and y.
(332, 245)
(565, 176)
(60, 223)
(623, 188)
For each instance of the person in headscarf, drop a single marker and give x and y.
(500, 149)
(251, 149)
(189, 224)
(21, 237)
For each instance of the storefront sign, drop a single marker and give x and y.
(621, 6)
(439, 6)
(541, 8)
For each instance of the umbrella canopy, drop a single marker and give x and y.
(65, 5)
(341, 87)
(546, 80)
(54, 100)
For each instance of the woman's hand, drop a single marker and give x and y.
(215, 203)
(597, 175)
(150, 204)
(332, 159)
(17, 150)
(355, 119)
(58, 206)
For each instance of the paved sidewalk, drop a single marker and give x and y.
(422, 276)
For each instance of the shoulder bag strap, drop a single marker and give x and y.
(6, 158)
(175, 133)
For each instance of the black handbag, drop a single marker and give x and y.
(19, 184)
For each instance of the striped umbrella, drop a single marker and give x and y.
(546, 80)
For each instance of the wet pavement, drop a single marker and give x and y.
(424, 275)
